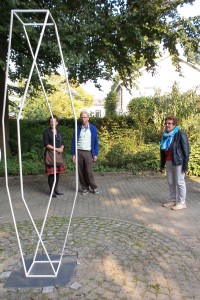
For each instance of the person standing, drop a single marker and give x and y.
(59, 147)
(87, 145)
(174, 152)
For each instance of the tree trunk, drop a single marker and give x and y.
(6, 120)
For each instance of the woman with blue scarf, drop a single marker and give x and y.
(174, 153)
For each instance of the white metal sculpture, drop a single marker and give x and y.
(48, 21)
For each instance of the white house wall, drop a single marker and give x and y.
(163, 79)
(96, 111)
(124, 96)
(166, 75)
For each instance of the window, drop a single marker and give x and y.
(98, 113)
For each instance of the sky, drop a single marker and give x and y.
(186, 11)
(90, 88)
(190, 10)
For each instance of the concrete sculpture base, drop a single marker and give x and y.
(18, 279)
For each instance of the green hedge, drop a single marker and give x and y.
(122, 146)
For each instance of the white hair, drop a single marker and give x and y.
(84, 112)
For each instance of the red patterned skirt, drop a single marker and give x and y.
(49, 170)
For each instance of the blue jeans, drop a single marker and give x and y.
(176, 181)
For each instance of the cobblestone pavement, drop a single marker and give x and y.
(128, 245)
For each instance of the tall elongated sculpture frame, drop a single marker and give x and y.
(54, 265)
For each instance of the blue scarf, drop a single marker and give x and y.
(167, 138)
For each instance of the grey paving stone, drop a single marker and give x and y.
(48, 289)
(75, 286)
(5, 275)
(127, 243)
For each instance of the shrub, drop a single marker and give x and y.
(122, 146)
(194, 165)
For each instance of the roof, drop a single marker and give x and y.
(182, 59)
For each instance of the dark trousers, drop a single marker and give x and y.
(85, 163)
(51, 180)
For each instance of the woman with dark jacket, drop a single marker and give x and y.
(174, 153)
(59, 147)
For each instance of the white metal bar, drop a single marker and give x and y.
(41, 276)
(19, 143)
(4, 141)
(32, 67)
(5, 152)
(29, 213)
(47, 210)
(19, 146)
(49, 203)
(34, 64)
(46, 261)
(37, 24)
(30, 10)
(74, 113)
(40, 79)
(19, 19)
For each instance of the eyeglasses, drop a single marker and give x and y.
(169, 123)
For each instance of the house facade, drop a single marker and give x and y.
(97, 109)
(164, 77)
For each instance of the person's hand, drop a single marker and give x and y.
(95, 158)
(60, 150)
(74, 159)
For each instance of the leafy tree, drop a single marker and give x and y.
(183, 105)
(142, 110)
(112, 98)
(98, 37)
(36, 108)
(153, 110)
(111, 103)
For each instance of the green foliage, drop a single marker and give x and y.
(142, 158)
(36, 107)
(194, 165)
(183, 105)
(149, 114)
(142, 111)
(111, 104)
(122, 145)
(98, 39)
(151, 111)
(91, 44)
(145, 159)
(192, 126)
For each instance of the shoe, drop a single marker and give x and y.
(179, 206)
(53, 195)
(169, 204)
(84, 192)
(58, 193)
(96, 191)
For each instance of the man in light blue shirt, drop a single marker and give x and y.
(87, 145)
